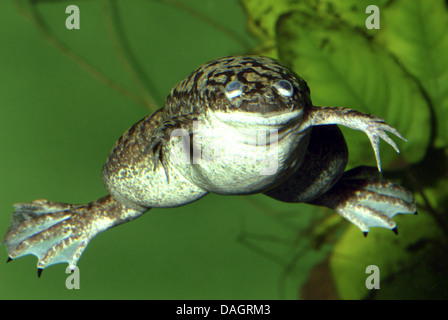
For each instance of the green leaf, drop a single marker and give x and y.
(344, 68)
(417, 33)
(261, 20)
(263, 16)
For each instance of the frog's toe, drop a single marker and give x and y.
(51, 231)
(377, 130)
(368, 202)
(57, 232)
(375, 205)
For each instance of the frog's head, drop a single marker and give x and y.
(244, 89)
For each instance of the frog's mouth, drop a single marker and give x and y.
(250, 119)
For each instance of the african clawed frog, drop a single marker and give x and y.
(207, 139)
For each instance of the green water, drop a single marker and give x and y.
(58, 124)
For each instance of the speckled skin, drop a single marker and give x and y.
(203, 141)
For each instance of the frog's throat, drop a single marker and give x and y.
(248, 119)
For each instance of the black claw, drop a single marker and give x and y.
(395, 230)
(9, 259)
(365, 233)
(39, 272)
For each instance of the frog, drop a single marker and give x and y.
(237, 125)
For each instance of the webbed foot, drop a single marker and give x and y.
(368, 201)
(58, 232)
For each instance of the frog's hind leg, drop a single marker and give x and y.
(366, 200)
(57, 232)
(359, 195)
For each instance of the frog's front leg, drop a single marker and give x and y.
(147, 165)
(374, 127)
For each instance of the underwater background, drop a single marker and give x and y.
(66, 96)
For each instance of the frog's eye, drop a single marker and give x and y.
(285, 88)
(233, 89)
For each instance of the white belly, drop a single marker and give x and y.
(237, 158)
